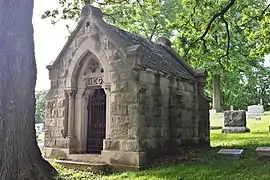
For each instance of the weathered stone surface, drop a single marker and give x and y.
(54, 153)
(215, 127)
(235, 130)
(133, 133)
(111, 144)
(119, 86)
(130, 145)
(235, 118)
(232, 152)
(119, 109)
(62, 143)
(49, 142)
(263, 151)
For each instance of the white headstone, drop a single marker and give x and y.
(212, 112)
(255, 110)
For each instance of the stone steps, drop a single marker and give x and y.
(90, 158)
(88, 162)
(95, 167)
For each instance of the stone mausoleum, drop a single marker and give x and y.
(122, 99)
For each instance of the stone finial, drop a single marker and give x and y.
(201, 72)
(164, 41)
(88, 9)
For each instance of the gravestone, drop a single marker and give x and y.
(255, 111)
(215, 127)
(258, 118)
(235, 122)
(231, 152)
(263, 151)
(212, 112)
(93, 91)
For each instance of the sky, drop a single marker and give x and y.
(49, 41)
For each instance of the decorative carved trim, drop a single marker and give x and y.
(107, 89)
(71, 93)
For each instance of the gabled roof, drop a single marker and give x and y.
(66, 46)
(156, 56)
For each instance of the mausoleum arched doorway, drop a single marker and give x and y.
(96, 126)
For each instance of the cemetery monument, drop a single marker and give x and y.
(235, 122)
(121, 97)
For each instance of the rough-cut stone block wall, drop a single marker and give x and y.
(183, 114)
(55, 110)
(204, 123)
(123, 111)
(172, 114)
(55, 113)
(153, 113)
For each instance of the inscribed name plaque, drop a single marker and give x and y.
(93, 81)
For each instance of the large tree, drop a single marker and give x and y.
(230, 37)
(20, 157)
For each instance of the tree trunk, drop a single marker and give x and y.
(20, 157)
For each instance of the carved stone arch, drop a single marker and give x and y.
(87, 47)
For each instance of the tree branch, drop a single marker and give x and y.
(257, 17)
(140, 6)
(208, 27)
(228, 38)
(214, 17)
(153, 31)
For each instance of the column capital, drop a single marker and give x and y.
(107, 88)
(71, 92)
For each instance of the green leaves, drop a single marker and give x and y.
(227, 36)
(40, 106)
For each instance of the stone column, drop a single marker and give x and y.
(107, 90)
(196, 112)
(217, 94)
(66, 115)
(71, 112)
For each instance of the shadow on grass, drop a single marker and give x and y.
(247, 141)
(209, 165)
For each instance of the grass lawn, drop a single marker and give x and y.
(206, 166)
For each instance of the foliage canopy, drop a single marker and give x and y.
(226, 37)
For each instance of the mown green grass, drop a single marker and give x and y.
(207, 165)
